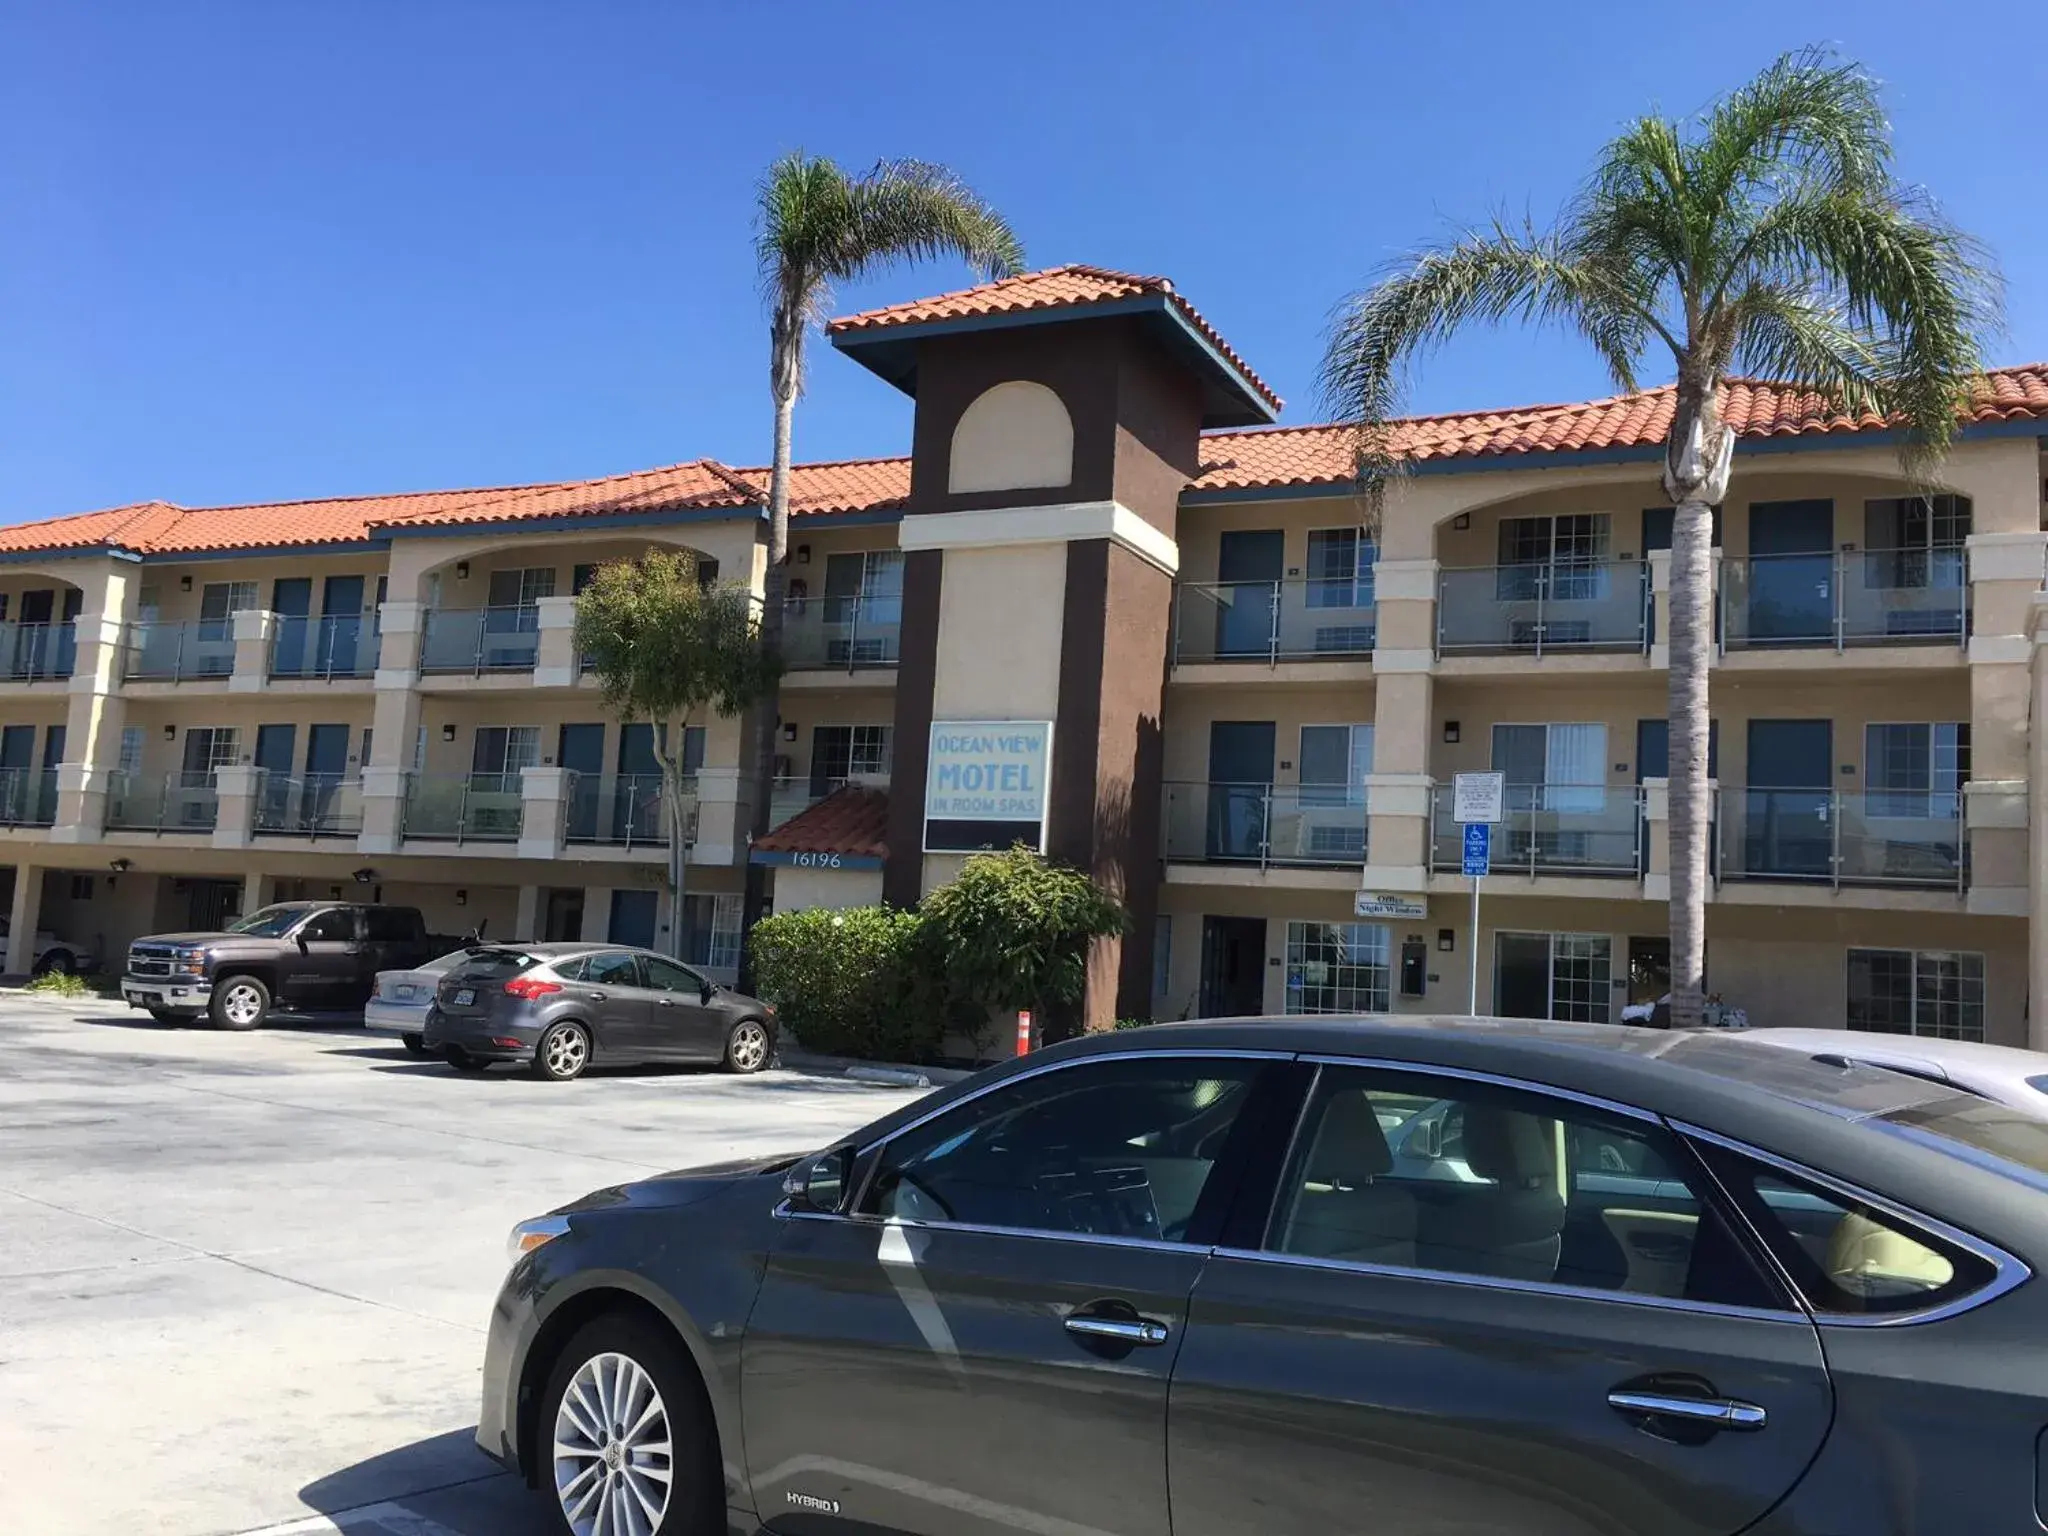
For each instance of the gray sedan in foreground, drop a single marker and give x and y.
(1403, 1275)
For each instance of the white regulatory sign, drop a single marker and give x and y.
(1384, 904)
(1478, 797)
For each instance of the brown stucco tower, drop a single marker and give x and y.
(1059, 415)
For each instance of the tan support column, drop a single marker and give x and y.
(22, 919)
(1397, 799)
(253, 628)
(722, 805)
(96, 711)
(2005, 581)
(256, 889)
(554, 664)
(235, 789)
(383, 808)
(597, 914)
(2037, 834)
(544, 804)
(526, 926)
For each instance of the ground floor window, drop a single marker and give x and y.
(1936, 992)
(1338, 967)
(711, 931)
(1553, 976)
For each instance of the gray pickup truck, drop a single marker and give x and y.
(296, 957)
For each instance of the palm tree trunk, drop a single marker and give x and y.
(675, 807)
(786, 371)
(1692, 589)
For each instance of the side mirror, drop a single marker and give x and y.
(819, 1183)
(302, 943)
(1427, 1140)
(708, 991)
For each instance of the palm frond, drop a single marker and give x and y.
(1806, 339)
(1808, 116)
(907, 209)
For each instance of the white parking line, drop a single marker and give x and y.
(388, 1517)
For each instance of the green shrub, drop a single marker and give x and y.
(1013, 931)
(850, 982)
(62, 984)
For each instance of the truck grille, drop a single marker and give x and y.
(150, 959)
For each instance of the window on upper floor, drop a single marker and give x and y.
(1915, 770)
(1559, 557)
(521, 588)
(1340, 568)
(1938, 992)
(219, 601)
(1915, 541)
(842, 752)
(501, 751)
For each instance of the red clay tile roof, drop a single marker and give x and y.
(1073, 286)
(117, 525)
(853, 819)
(1272, 457)
(699, 483)
(847, 485)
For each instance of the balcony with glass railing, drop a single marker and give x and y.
(1594, 830)
(317, 805)
(842, 634)
(1534, 609)
(479, 640)
(791, 797)
(462, 807)
(331, 646)
(28, 797)
(34, 653)
(182, 801)
(158, 652)
(1274, 621)
(1842, 598)
(624, 810)
(1819, 836)
(1296, 825)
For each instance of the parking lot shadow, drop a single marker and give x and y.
(444, 1479)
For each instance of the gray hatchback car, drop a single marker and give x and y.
(559, 1007)
(1302, 1276)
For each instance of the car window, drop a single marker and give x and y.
(613, 968)
(1502, 1184)
(330, 927)
(667, 976)
(1846, 1256)
(267, 922)
(1114, 1149)
(493, 965)
(569, 970)
(2039, 1083)
(388, 925)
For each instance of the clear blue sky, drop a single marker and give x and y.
(268, 250)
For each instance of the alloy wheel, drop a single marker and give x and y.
(614, 1461)
(566, 1052)
(748, 1051)
(243, 1005)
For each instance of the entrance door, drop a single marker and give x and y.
(562, 922)
(1240, 779)
(17, 761)
(326, 769)
(1521, 975)
(635, 813)
(633, 918)
(1787, 805)
(580, 749)
(1233, 966)
(1244, 622)
(291, 599)
(208, 903)
(34, 651)
(1649, 976)
(341, 626)
(1792, 571)
(274, 746)
(1653, 761)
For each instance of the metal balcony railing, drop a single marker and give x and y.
(182, 801)
(479, 640)
(333, 645)
(1819, 836)
(317, 805)
(842, 634)
(462, 807)
(1550, 829)
(622, 810)
(158, 652)
(28, 797)
(1274, 621)
(1595, 605)
(1264, 824)
(1844, 598)
(32, 653)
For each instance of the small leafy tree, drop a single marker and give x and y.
(667, 648)
(1014, 931)
(852, 982)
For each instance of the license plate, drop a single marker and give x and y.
(465, 996)
(402, 990)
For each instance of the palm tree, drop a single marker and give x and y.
(818, 226)
(1769, 235)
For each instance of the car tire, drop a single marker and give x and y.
(563, 1052)
(239, 1002)
(749, 1047)
(58, 962)
(461, 1060)
(415, 1045)
(635, 1373)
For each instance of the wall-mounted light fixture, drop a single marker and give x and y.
(803, 554)
(1462, 520)
(170, 733)
(462, 898)
(1446, 939)
(120, 866)
(184, 583)
(1450, 730)
(365, 875)
(789, 733)
(462, 570)
(447, 733)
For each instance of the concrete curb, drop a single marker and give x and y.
(890, 1074)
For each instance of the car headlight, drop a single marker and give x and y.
(529, 1235)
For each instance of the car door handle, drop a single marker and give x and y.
(1124, 1330)
(666, 1002)
(1719, 1412)
(598, 997)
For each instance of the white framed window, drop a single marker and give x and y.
(1553, 976)
(1915, 541)
(503, 750)
(209, 748)
(219, 602)
(521, 588)
(1339, 967)
(1340, 567)
(1913, 769)
(1555, 766)
(842, 752)
(1561, 557)
(1938, 992)
(711, 930)
(131, 750)
(1334, 762)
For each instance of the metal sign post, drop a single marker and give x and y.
(1476, 805)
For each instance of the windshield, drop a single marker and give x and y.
(268, 922)
(2039, 1083)
(492, 964)
(1979, 1127)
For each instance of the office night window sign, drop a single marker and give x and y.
(985, 785)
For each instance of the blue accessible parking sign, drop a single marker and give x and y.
(1478, 847)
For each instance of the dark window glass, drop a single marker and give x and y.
(494, 965)
(667, 976)
(267, 922)
(1409, 1171)
(1116, 1149)
(1846, 1256)
(337, 926)
(2039, 1084)
(613, 969)
(1981, 1126)
(569, 970)
(389, 925)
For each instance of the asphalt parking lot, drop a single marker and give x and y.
(244, 1278)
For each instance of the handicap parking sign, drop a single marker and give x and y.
(1478, 847)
